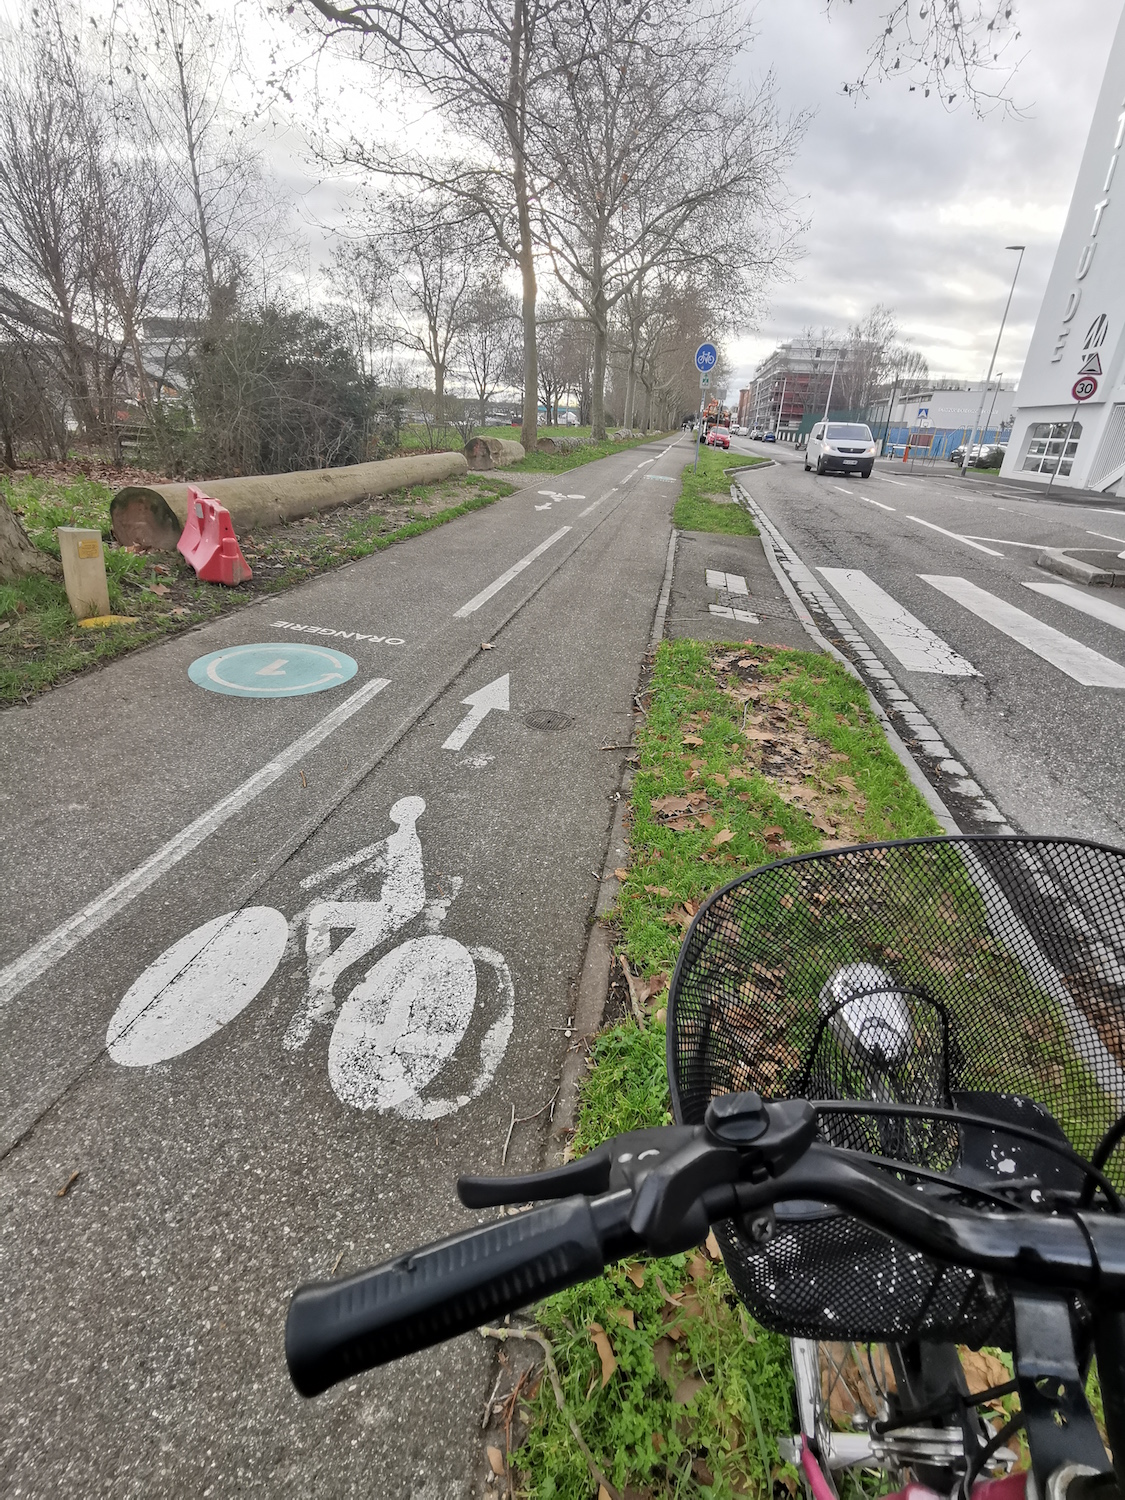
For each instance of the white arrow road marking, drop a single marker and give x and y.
(905, 637)
(1088, 667)
(39, 958)
(274, 668)
(505, 578)
(481, 703)
(1089, 604)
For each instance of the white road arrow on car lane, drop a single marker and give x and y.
(481, 703)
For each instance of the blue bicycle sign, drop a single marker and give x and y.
(706, 357)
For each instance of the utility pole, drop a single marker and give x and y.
(887, 424)
(831, 384)
(781, 406)
(992, 361)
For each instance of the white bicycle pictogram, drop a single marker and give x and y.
(417, 1010)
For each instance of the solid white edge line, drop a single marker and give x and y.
(505, 578)
(16, 975)
(955, 536)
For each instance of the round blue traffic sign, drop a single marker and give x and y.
(705, 358)
(272, 670)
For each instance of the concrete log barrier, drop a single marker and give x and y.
(561, 444)
(492, 453)
(153, 515)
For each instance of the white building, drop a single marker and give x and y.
(1071, 415)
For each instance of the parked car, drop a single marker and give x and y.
(983, 456)
(840, 447)
(567, 419)
(719, 437)
(769, 437)
(755, 434)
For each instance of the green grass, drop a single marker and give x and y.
(559, 463)
(705, 503)
(723, 1441)
(41, 642)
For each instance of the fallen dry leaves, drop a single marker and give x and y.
(605, 1352)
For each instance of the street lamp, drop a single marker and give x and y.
(992, 361)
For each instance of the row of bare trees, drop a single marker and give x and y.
(604, 142)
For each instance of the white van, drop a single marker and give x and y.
(841, 448)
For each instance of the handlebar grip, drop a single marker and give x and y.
(336, 1329)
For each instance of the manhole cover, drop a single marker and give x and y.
(547, 718)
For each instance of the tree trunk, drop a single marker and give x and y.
(439, 395)
(18, 553)
(597, 384)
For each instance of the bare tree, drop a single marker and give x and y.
(629, 190)
(483, 64)
(489, 339)
(960, 50)
(174, 64)
(435, 261)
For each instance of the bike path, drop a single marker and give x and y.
(146, 1306)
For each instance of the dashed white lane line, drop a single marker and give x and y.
(885, 479)
(905, 637)
(597, 502)
(39, 958)
(505, 578)
(955, 536)
(1079, 662)
(879, 503)
(842, 490)
(1089, 604)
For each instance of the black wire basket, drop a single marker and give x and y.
(983, 974)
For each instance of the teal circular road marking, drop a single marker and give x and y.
(272, 669)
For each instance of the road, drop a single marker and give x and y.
(224, 923)
(1033, 717)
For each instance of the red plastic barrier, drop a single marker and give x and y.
(208, 542)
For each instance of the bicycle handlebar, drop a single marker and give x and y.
(336, 1329)
(662, 1198)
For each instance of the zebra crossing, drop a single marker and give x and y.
(919, 649)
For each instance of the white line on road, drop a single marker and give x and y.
(884, 479)
(842, 490)
(39, 958)
(480, 705)
(1088, 667)
(1089, 604)
(905, 637)
(1106, 536)
(879, 503)
(597, 502)
(955, 536)
(513, 572)
(1004, 541)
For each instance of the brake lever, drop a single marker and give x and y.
(618, 1163)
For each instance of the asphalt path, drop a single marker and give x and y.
(185, 1027)
(1046, 747)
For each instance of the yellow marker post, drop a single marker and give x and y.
(83, 564)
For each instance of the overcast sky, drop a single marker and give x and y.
(912, 206)
(906, 203)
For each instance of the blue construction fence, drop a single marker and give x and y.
(943, 440)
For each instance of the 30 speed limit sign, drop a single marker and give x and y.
(1084, 388)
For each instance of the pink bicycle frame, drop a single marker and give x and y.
(1011, 1487)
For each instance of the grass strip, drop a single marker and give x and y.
(747, 752)
(705, 503)
(559, 463)
(41, 643)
